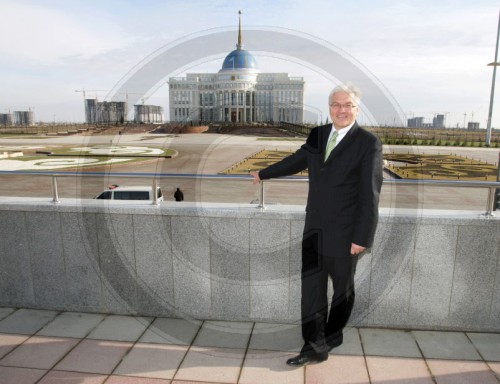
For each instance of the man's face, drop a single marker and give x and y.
(343, 110)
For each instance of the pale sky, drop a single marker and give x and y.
(430, 56)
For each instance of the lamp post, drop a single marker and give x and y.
(494, 64)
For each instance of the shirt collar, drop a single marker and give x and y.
(343, 131)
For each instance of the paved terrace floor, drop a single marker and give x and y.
(39, 346)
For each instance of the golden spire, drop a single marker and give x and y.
(240, 44)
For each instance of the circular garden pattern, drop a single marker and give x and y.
(66, 158)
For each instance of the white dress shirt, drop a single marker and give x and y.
(342, 132)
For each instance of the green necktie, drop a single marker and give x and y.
(331, 143)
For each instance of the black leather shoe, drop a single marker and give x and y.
(307, 358)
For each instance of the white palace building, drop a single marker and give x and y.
(238, 93)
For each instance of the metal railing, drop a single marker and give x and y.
(492, 186)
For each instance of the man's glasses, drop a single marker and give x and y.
(347, 106)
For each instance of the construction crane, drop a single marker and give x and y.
(445, 114)
(474, 111)
(83, 90)
(143, 99)
(86, 107)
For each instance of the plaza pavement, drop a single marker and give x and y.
(48, 347)
(212, 153)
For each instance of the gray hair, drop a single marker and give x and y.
(350, 89)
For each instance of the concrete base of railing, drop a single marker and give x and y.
(427, 269)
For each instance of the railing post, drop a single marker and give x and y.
(55, 194)
(491, 202)
(155, 191)
(261, 195)
(496, 202)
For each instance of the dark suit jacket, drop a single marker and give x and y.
(342, 204)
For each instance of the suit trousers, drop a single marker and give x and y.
(318, 327)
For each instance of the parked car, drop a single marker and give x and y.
(115, 192)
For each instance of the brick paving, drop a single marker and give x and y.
(50, 347)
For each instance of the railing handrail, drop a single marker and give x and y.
(215, 176)
(491, 185)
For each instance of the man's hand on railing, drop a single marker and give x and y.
(356, 249)
(256, 178)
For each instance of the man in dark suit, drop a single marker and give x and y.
(344, 162)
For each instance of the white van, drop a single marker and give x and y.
(116, 192)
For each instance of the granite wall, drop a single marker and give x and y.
(427, 269)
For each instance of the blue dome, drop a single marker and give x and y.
(239, 59)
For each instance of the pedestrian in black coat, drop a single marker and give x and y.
(178, 195)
